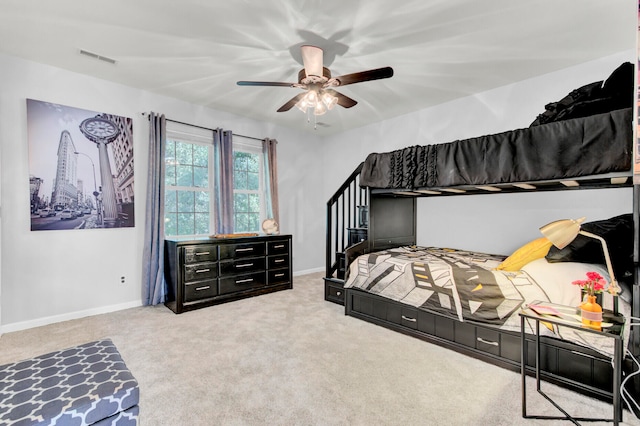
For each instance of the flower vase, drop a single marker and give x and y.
(591, 313)
(598, 296)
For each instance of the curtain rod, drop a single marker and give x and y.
(205, 128)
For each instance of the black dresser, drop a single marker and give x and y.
(209, 271)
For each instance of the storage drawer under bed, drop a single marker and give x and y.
(560, 358)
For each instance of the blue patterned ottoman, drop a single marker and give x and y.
(85, 385)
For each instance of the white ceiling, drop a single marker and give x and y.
(196, 50)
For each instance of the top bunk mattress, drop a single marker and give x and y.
(586, 146)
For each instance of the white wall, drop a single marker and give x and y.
(476, 220)
(50, 276)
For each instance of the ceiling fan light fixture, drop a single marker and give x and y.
(302, 106)
(319, 109)
(329, 100)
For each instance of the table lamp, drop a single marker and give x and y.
(562, 232)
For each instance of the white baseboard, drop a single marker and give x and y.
(24, 325)
(308, 271)
(17, 326)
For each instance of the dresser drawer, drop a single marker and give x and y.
(242, 266)
(200, 290)
(236, 251)
(242, 282)
(200, 271)
(277, 247)
(278, 276)
(276, 262)
(200, 253)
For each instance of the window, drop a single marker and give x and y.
(188, 184)
(190, 179)
(248, 189)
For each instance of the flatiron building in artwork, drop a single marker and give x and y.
(65, 191)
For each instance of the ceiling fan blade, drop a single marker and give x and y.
(358, 77)
(343, 101)
(312, 60)
(265, 83)
(291, 102)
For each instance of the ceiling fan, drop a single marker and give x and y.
(318, 84)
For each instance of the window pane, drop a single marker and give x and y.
(170, 201)
(254, 222)
(239, 180)
(184, 175)
(202, 202)
(186, 224)
(241, 222)
(200, 177)
(254, 203)
(170, 149)
(240, 203)
(202, 223)
(170, 175)
(186, 201)
(200, 156)
(239, 161)
(170, 224)
(252, 163)
(184, 153)
(253, 181)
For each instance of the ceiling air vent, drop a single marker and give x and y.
(98, 57)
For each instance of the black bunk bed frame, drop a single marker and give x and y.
(392, 223)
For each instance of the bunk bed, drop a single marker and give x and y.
(393, 283)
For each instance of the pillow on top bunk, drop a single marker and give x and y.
(616, 92)
(533, 250)
(616, 231)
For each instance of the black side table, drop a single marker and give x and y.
(615, 332)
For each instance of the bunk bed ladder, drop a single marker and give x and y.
(346, 221)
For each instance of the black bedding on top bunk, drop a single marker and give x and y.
(587, 132)
(597, 144)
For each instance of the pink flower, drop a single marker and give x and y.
(594, 283)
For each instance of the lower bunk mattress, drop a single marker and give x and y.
(466, 287)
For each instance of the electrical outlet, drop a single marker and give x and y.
(122, 279)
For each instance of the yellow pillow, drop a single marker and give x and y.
(533, 250)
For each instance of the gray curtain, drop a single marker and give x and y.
(153, 284)
(271, 178)
(223, 158)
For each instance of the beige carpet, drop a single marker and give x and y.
(290, 358)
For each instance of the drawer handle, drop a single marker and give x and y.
(203, 253)
(338, 293)
(279, 246)
(200, 271)
(248, 280)
(487, 342)
(244, 265)
(279, 260)
(405, 318)
(206, 287)
(279, 275)
(245, 249)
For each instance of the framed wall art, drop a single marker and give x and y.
(80, 168)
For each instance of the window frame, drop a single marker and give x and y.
(251, 147)
(193, 136)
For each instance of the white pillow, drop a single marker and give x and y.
(556, 278)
